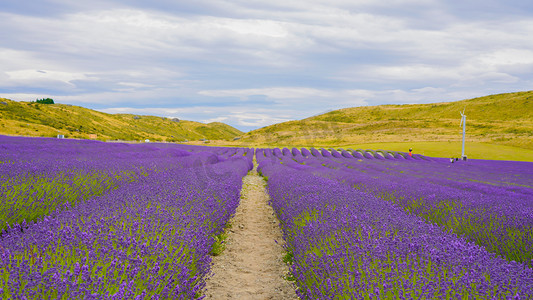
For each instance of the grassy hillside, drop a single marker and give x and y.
(48, 120)
(504, 119)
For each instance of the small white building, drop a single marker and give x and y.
(60, 136)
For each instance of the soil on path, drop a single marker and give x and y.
(251, 266)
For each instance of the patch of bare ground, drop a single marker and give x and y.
(251, 266)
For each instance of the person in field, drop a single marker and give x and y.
(411, 152)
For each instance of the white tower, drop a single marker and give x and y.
(463, 122)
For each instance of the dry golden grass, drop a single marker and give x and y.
(48, 120)
(505, 119)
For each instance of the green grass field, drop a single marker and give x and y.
(453, 149)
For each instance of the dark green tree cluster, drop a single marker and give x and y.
(45, 101)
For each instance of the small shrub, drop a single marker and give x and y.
(219, 245)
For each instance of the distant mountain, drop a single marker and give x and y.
(505, 119)
(49, 120)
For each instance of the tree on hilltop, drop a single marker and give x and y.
(45, 101)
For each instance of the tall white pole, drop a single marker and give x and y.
(463, 120)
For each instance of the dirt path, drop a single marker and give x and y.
(251, 266)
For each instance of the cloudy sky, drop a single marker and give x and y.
(252, 63)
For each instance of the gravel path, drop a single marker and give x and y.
(251, 266)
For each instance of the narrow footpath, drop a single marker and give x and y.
(251, 266)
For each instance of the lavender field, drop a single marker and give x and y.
(93, 220)
(367, 226)
(90, 220)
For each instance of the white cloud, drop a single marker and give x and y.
(505, 57)
(135, 84)
(45, 75)
(14, 59)
(272, 92)
(410, 72)
(266, 28)
(217, 119)
(250, 118)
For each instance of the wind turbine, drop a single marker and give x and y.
(463, 122)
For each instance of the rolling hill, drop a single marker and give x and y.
(49, 120)
(503, 119)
